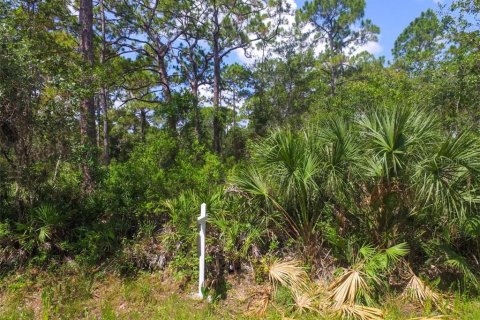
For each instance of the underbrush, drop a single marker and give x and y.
(355, 216)
(72, 294)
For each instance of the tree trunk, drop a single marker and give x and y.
(333, 66)
(162, 70)
(333, 80)
(87, 107)
(234, 111)
(98, 108)
(217, 145)
(104, 94)
(143, 123)
(106, 127)
(198, 125)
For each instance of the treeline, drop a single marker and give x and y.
(118, 118)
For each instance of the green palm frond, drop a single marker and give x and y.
(472, 227)
(182, 213)
(284, 180)
(288, 160)
(47, 214)
(373, 168)
(459, 263)
(45, 219)
(396, 135)
(367, 251)
(339, 153)
(445, 181)
(44, 233)
(380, 262)
(396, 252)
(252, 183)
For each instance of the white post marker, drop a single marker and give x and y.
(201, 259)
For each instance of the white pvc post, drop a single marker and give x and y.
(202, 222)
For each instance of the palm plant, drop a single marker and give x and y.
(284, 181)
(338, 150)
(368, 268)
(310, 297)
(397, 136)
(446, 180)
(381, 180)
(396, 139)
(237, 238)
(44, 223)
(182, 215)
(418, 291)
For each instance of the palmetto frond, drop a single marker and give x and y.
(287, 158)
(394, 135)
(459, 263)
(44, 233)
(359, 312)
(47, 214)
(304, 301)
(253, 184)
(396, 252)
(369, 265)
(445, 181)
(289, 274)
(381, 261)
(339, 153)
(345, 290)
(471, 228)
(284, 181)
(45, 219)
(417, 291)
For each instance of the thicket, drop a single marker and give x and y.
(340, 161)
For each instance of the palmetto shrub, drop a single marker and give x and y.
(351, 295)
(391, 176)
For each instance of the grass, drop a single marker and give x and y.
(72, 295)
(82, 296)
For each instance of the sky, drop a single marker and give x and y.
(392, 16)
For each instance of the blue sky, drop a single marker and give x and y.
(392, 16)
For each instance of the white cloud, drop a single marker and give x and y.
(372, 47)
(72, 9)
(255, 54)
(287, 21)
(205, 93)
(434, 1)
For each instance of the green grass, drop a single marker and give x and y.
(66, 295)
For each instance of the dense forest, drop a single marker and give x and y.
(333, 177)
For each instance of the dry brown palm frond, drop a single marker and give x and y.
(438, 317)
(259, 301)
(304, 301)
(345, 289)
(417, 291)
(356, 311)
(290, 274)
